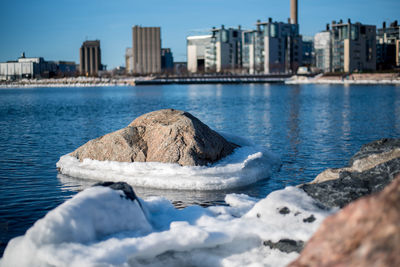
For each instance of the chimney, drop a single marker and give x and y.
(269, 19)
(327, 27)
(384, 24)
(293, 12)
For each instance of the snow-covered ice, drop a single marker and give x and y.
(100, 227)
(246, 165)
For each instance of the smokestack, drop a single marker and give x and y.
(293, 12)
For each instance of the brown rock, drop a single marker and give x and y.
(364, 233)
(169, 136)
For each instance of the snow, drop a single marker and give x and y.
(246, 165)
(100, 227)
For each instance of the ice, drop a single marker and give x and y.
(100, 227)
(246, 165)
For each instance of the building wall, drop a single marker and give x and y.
(322, 48)
(353, 47)
(129, 61)
(90, 58)
(146, 50)
(196, 52)
(282, 47)
(167, 60)
(387, 49)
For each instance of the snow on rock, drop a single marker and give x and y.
(100, 227)
(246, 165)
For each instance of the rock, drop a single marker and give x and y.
(369, 156)
(124, 187)
(169, 136)
(285, 245)
(310, 219)
(365, 233)
(371, 169)
(284, 210)
(353, 185)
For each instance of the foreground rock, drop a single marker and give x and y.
(365, 233)
(371, 169)
(169, 136)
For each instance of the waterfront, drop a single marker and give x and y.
(310, 127)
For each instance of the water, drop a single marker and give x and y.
(311, 127)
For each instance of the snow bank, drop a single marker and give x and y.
(100, 227)
(246, 165)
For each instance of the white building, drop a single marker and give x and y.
(218, 52)
(196, 52)
(25, 68)
(323, 51)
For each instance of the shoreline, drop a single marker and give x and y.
(362, 79)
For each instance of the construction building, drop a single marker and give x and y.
(90, 58)
(146, 50)
(353, 47)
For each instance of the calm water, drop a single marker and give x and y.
(311, 127)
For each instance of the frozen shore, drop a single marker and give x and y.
(101, 226)
(366, 79)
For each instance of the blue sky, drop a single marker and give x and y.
(55, 29)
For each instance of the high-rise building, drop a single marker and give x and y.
(387, 46)
(146, 50)
(280, 47)
(223, 53)
(274, 47)
(90, 58)
(323, 51)
(353, 47)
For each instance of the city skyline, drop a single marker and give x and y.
(55, 31)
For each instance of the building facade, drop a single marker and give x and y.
(146, 50)
(196, 52)
(353, 47)
(27, 67)
(387, 46)
(167, 60)
(90, 58)
(323, 51)
(129, 61)
(274, 47)
(223, 53)
(218, 52)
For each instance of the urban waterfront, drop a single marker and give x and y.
(310, 127)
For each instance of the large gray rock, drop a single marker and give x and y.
(369, 171)
(169, 136)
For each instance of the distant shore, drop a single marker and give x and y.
(374, 78)
(362, 78)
